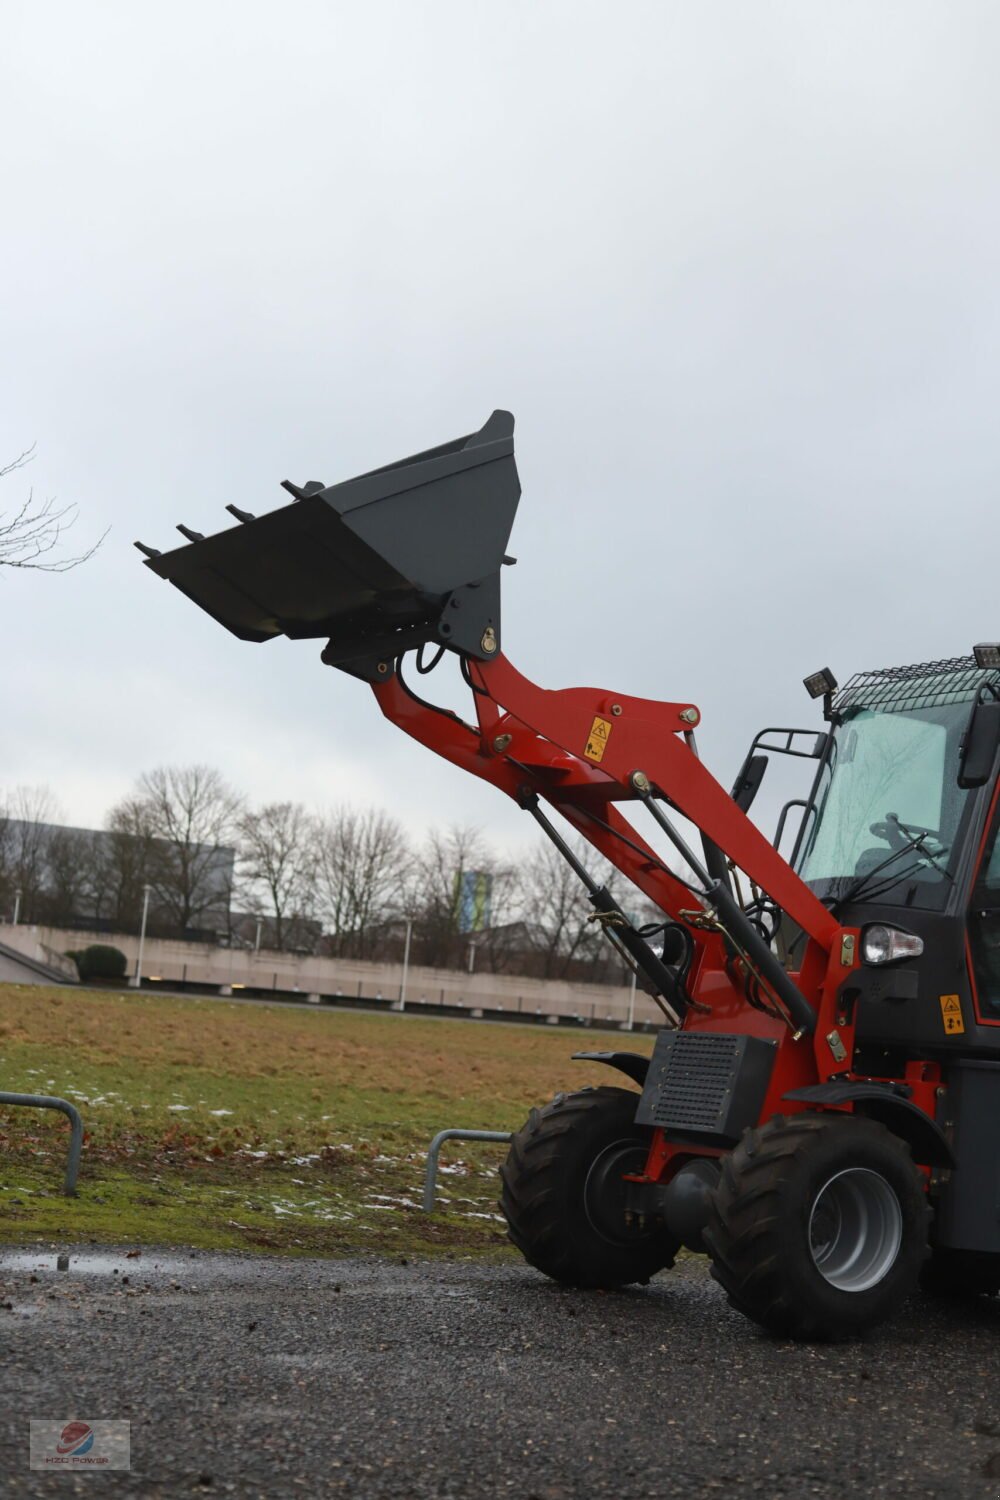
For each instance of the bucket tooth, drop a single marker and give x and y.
(303, 491)
(241, 515)
(192, 536)
(147, 551)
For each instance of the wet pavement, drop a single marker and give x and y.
(251, 1376)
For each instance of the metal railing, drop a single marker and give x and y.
(434, 1151)
(48, 1101)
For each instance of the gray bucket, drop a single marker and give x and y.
(404, 555)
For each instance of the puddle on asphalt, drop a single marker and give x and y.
(405, 1289)
(86, 1264)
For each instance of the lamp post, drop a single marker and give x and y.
(256, 941)
(630, 1023)
(406, 963)
(17, 907)
(137, 978)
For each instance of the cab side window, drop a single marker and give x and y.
(992, 862)
(984, 925)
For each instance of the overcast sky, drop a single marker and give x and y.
(734, 267)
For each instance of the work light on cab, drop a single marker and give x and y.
(887, 945)
(820, 684)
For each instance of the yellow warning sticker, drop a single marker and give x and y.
(951, 1015)
(597, 739)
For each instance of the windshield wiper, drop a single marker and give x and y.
(918, 836)
(915, 842)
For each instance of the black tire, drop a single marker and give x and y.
(562, 1193)
(960, 1274)
(793, 1198)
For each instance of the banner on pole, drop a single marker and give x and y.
(473, 895)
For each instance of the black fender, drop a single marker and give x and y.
(884, 1102)
(631, 1063)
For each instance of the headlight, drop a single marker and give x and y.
(885, 945)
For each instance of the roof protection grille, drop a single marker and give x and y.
(926, 684)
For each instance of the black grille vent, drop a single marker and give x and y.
(706, 1085)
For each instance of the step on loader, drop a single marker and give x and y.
(821, 1112)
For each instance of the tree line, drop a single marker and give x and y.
(344, 881)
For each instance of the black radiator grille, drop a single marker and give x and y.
(706, 1084)
(696, 1078)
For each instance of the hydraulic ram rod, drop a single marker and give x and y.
(734, 920)
(656, 971)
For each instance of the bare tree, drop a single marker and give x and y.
(558, 916)
(6, 883)
(53, 867)
(191, 815)
(447, 855)
(69, 872)
(124, 864)
(276, 855)
(30, 810)
(555, 910)
(362, 860)
(500, 947)
(30, 534)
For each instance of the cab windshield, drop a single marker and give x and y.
(885, 825)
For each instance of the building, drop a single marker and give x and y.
(96, 879)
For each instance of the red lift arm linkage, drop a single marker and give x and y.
(532, 740)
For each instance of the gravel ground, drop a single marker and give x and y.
(249, 1376)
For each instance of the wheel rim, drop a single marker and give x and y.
(855, 1229)
(604, 1191)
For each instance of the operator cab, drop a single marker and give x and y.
(887, 820)
(902, 828)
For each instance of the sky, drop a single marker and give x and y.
(733, 268)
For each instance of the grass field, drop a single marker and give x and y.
(228, 1125)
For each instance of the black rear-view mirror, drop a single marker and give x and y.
(979, 746)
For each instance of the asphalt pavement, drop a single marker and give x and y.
(249, 1376)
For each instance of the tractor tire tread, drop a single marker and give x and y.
(746, 1233)
(533, 1196)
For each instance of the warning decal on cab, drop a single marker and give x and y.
(951, 1015)
(597, 739)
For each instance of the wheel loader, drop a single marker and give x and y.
(820, 1115)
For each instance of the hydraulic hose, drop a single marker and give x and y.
(739, 927)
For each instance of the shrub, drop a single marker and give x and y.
(100, 961)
